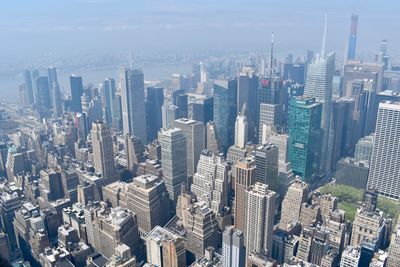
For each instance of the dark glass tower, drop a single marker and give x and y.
(154, 102)
(351, 50)
(76, 93)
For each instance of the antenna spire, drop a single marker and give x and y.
(324, 36)
(271, 68)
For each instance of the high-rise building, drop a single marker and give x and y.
(244, 176)
(103, 155)
(154, 102)
(291, 205)
(202, 229)
(134, 152)
(319, 86)
(210, 182)
(113, 227)
(260, 211)
(351, 50)
(304, 136)
(50, 185)
(174, 163)
(270, 115)
(385, 165)
(225, 109)
(241, 129)
(43, 96)
(233, 251)
(393, 259)
(133, 103)
(364, 148)
(76, 93)
(212, 142)
(350, 257)
(247, 93)
(194, 132)
(164, 248)
(352, 172)
(29, 87)
(147, 197)
(109, 96)
(266, 158)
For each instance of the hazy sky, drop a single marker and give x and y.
(30, 28)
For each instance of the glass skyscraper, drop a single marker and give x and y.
(304, 128)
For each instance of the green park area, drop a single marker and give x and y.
(350, 199)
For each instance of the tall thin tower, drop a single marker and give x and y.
(351, 50)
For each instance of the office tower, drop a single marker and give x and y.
(284, 246)
(169, 114)
(113, 227)
(201, 108)
(352, 172)
(50, 185)
(210, 182)
(270, 115)
(30, 231)
(393, 259)
(103, 155)
(55, 92)
(18, 161)
(319, 245)
(225, 100)
(134, 152)
(180, 100)
(233, 251)
(76, 93)
(164, 248)
(350, 257)
(385, 166)
(29, 87)
(244, 176)
(343, 128)
(368, 226)
(212, 141)
(319, 86)
(22, 95)
(109, 96)
(294, 72)
(266, 158)
(247, 84)
(291, 205)
(195, 141)
(304, 136)
(260, 211)
(337, 231)
(133, 103)
(351, 49)
(383, 57)
(117, 113)
(173, 154)
(241, 129)
(328, 205)
(147, 197)
(201, 230)
(154, 102)
(43, 96)
(370, 200)
(364, 148)
(70, 182)
(10, 202)
(336, 86)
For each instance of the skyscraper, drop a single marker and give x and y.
(351, 50)
(109, 95)
(194, 132)
(43, 96)
(260, 211)
(174, 163)
(244, 175)
(304, 135)
(76, 93)
(241, 129)
(103, 156)
(210, 182)
(212, 137)
(233, 251)
(291, 205)
(133, 103)
(154, 102)
(319, 86)
(225, 100)
(266, 158)
(29, 87)
(385, 162)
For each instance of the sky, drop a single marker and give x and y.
(30, 28)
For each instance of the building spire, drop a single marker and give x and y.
(271, 68)
(324, 36)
